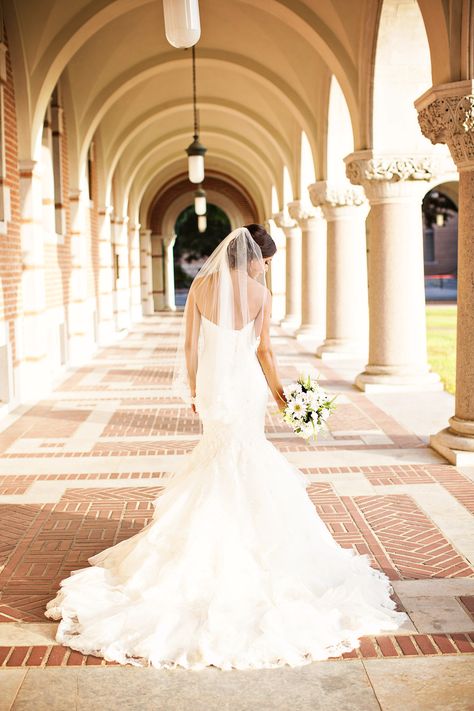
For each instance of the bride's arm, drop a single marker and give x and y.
(267, 358)
(193, 322)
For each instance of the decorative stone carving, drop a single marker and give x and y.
(303, 214)
(450, 120)
(361, 168)
(322, 194)
(283, 220)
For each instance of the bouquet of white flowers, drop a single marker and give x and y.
(308, 406)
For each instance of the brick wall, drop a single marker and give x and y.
(57, 257)
(93, 277)
(10, 245)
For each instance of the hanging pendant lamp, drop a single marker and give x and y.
(182, 23)
(195, 150)
(202, 223)
(200, 205)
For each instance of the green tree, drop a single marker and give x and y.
(192, 244)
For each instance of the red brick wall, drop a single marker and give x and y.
(57, 257)
(10, 246)
(93, 281)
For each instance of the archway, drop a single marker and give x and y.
(440, 237)
(192, 247)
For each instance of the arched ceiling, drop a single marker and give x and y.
(263, 68)
(215, 183)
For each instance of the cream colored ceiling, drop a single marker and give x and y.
(263, 72)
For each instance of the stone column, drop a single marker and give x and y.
(81, 327)
(446, 115)
(313, 270)
(34, 376)
(146, 277)
(345, 209)
(158, 272)
(106, 325)
(395, 186)
(122, 284)
(276, 276)
(136, 313)
(168, 244)
(293, 268)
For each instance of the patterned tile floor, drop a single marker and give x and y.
(79, 472)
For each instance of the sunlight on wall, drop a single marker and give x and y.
(287, 187)
(307, 172)
(274, 199)
(402, 74)
(340, 136)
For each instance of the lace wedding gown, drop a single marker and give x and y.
(235, 568)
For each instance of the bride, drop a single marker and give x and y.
(235, 569)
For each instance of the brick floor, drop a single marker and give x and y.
(42, 540)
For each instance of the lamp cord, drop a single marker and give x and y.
(196, 128)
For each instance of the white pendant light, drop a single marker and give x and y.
(182, 24)
(200, 205)
(196, 161)
(195, 150)
(202, 223)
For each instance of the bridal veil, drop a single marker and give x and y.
(229, 290)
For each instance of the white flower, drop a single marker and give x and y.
(297, 408)
(306, 429)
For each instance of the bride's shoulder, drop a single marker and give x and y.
(262, 290)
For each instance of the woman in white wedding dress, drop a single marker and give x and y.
(235, 568)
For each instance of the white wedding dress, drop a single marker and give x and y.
(235, 569)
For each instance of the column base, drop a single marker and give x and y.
(379, 378)
(147, 307)
(455, 443)
(291, 321)
(34, 380)
(81, 348)
(334, 348)
(310, 333)
(106, 332)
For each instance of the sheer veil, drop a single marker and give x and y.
(230, 291)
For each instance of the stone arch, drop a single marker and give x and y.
(87, 21)
(402, 72)
(217, 59)
(278, 142)
(340, 139)
(148, 154)
(226, 165)
(181, 203)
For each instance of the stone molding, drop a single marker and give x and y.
(324, 194)
(305, 215)
(446, 115)
(168, 241)
(366, 166)
(284, 220)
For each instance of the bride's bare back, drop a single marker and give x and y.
(248, 297)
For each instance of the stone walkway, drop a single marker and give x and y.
(79, 471)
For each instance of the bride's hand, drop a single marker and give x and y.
(280, 399)
(193, 405)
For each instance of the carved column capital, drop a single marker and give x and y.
(283, 220)
(392, 177)
(339, 201)
(305, 215)
(324, 194)
(446, 115)
(168, 241)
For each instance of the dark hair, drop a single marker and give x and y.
(263, 239)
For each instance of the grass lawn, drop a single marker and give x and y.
(441, 340)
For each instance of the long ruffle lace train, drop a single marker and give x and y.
(235, 568)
